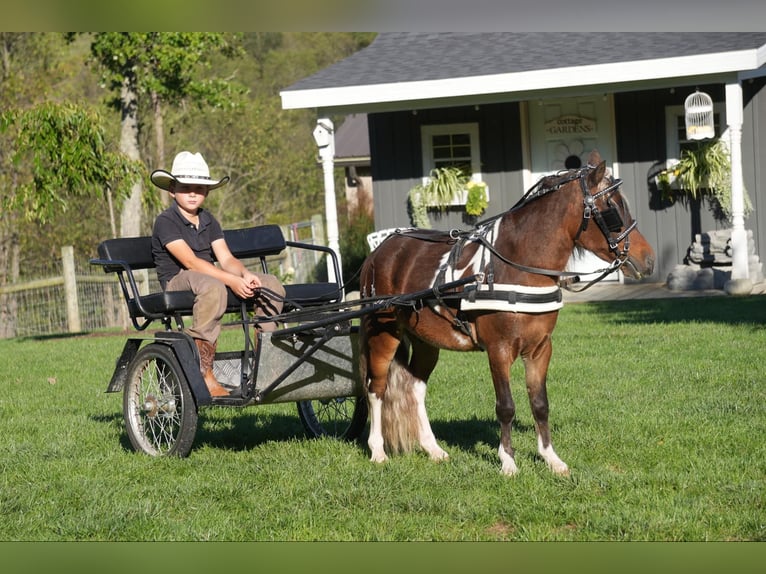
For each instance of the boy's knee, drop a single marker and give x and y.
(273, 284)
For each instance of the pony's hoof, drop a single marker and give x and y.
(560, 469)
(379, 458)
(438, 455)
(510, 469)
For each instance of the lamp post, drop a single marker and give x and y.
(324, 136)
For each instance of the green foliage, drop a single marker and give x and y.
(443, 186)
(170, 64)
(353, 246)
(704, 170)
(60, 153)
(476, 200)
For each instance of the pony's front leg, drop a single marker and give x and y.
(536, 374)
(505, 409)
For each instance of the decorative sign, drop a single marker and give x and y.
(564, 126)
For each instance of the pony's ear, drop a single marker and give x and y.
(596, 175)
(594, 158)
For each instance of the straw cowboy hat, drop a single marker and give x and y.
(188, 168)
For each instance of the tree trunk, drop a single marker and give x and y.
(159, 140)
(130, 218)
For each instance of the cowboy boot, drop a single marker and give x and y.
(206, 358)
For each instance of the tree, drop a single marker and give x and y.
(59, 153)
(160, 67)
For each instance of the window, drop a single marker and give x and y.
(675, 126)
(451, 145)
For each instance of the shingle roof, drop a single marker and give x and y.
(407, 57)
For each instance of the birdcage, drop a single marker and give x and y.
(698, 109)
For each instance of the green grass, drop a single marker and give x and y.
(658, 407)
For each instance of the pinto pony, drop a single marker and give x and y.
(495, 289)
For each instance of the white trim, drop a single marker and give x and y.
(608, 74)
(429, 130)
(500, 305)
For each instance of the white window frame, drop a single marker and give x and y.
(426, 134)
(672, 142)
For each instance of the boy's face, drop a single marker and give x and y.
(190, 197)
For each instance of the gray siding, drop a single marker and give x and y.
(754, 159)
(395, 147)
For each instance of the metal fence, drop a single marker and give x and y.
(75, 296)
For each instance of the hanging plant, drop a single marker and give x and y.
(476, 201)
(703, 171)
(446, 186)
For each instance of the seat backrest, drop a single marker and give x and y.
(258, 241)
(135, 251)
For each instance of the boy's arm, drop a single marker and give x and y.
(232, 272)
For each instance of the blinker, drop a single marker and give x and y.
(612, 219)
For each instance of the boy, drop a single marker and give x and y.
(185, 240)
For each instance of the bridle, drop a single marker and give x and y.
(609, 220)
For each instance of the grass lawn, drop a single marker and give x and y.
(658, 407)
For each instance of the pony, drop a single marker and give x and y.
(497, 289)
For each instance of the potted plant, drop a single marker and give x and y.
(446, 186)
(702, 171)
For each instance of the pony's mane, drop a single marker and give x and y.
(549, 183)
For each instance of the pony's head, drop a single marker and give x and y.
(608, 229)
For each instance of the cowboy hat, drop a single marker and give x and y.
(188, 168)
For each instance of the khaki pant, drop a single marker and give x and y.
(210, 302)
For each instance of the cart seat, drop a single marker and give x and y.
(126, 255)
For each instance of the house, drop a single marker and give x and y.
(352, 153)
(515, 106)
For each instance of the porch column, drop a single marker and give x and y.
(739, 269)
(324, 135)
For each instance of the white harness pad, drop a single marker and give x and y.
(513, 298)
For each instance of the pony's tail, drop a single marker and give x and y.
(399, 413)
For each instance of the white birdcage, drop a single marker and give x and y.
(698, 109)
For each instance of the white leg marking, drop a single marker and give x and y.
(375, 440)
(425, 434)
(509, 465)
(551, 458)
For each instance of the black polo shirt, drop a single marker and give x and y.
(169, 226)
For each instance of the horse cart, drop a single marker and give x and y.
(311, 359)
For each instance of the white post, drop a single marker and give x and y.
(324, 135)
(740, 274)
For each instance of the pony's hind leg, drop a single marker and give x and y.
(426, 436)
(377, 354)
(422, 364)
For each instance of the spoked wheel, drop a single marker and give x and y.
(159, 410)
(342, 417)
